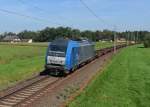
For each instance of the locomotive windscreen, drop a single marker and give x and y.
(58, 48)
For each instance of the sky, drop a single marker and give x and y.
(35, 15)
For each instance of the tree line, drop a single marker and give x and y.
(50, 33)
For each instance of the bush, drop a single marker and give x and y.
(147, 41)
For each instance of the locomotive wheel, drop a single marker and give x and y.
(74, 69)
(65, 73)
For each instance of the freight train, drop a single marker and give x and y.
(65, 55)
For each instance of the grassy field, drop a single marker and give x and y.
(20, 61)
(100, 45)
(124, 83)
(42, 44)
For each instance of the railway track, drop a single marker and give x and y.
(36, 88)
(20, 97)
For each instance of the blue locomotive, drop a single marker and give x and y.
(67, 55)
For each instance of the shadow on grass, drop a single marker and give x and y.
(141, 47)
(44, 72)
(51, 73)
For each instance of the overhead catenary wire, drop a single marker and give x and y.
(93, 13)
(102, 20)
(45, 11)
(27, 16)
(34, 6)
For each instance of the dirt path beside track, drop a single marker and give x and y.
(72, 85)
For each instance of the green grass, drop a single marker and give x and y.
(19, 62)
(42, 44)
(124, 83)
(100, 45)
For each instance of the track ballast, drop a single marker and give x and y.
(29, 93)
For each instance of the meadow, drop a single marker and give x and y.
(19, 61)
(125, 82)
(40, 44)
(100, 45)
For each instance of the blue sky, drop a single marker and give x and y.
(125, 14)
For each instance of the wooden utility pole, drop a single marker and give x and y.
(115, 39)
(137, 38)
(128, 38)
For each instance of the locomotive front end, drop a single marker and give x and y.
(56, 55)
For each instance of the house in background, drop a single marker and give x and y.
(27, 40)
(15, 39)
(11, 39)
(121, 40)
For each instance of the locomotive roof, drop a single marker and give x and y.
(60, 42)
(64, 42)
